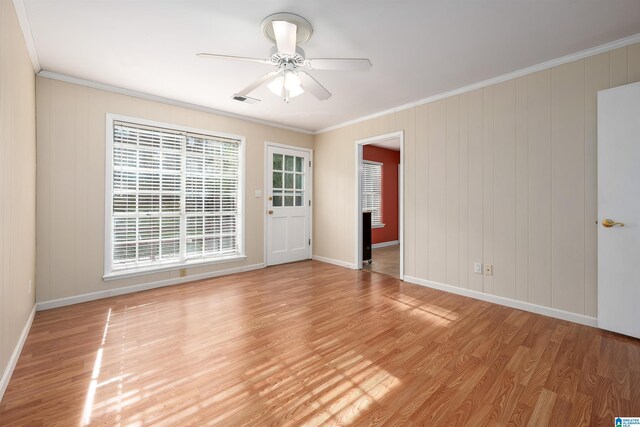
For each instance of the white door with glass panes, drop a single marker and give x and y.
(288, 208)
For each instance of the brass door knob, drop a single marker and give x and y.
(270, 212)
(608, 223)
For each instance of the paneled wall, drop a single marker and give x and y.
(17, 183)
(504, 175)
(71, 184)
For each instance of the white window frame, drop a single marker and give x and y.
(371, 162)
(109, 273)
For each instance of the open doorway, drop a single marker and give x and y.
(379, 204)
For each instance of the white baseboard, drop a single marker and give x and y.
(61, 302)
(383, 244)
(6, 375)
(334, 262)
(521, 305)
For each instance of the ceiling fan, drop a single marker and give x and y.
(290, 78)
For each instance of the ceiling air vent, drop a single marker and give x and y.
(247, 99)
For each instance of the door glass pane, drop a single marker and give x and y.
(288, 180)
(277, 162)
(277, 198)
(277, 180)
(288, 199)
(288, 163)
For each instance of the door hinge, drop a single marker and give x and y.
(309, 242)
(309, 202)
(309, 163)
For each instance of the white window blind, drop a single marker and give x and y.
(372, 191)
(175, 197)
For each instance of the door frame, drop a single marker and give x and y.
(265, 186)
(359, 144)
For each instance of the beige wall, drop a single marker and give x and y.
(71, 183)
(17, 182)
(504, 175)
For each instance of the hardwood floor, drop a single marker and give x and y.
(314, 344)
(386, 260)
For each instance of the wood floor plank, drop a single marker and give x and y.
(315, 344)
(581, 411)
(542, 410)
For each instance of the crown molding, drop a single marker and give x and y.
(23, 19)
(149, 97)
(512, 75)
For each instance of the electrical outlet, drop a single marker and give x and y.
(183, 272)
(477, 267)
(488, 269)
(30, 286)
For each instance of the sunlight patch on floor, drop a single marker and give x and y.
(348, 400)
(432, 313)
(88, 404)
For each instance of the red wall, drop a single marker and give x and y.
(390, 160)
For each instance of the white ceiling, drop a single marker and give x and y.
(389, 144)
(418, 48)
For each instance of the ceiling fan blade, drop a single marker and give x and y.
(310, 84)
(286, 34)
(339, 64)
(234, 58)
(261, 81)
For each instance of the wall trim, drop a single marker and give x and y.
(149, 97)
(521, 305)
(384, 244)
(509, 76)
(334, 262)
(13, 360)
(77, 299)
(359, 147)
(25, 26)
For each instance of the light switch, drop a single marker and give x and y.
(477, 267)
(258, 193)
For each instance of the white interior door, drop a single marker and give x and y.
(288, 207)
(619, 202)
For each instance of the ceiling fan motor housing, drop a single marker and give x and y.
(280, 59)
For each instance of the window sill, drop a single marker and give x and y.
(168, 267)
(378, 226)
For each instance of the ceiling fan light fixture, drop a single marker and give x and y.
(288, 81)
(276, 85)
(292, 83)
